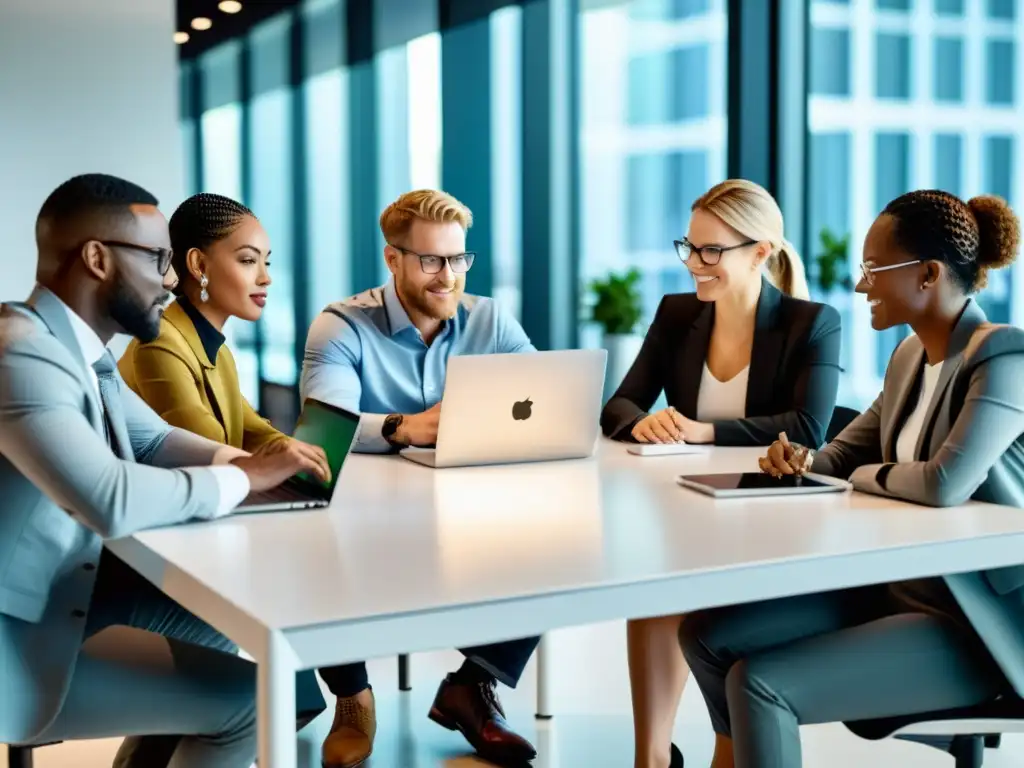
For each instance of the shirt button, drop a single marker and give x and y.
(78, 614)
(89, 567)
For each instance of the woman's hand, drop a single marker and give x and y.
(786, 458)
(670, 426)
(301, 451)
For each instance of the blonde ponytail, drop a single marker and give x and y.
(786, 271)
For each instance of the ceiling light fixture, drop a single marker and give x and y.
(201, 23)
(230, 6)
(181, 37)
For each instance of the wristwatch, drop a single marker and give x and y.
(390, 429)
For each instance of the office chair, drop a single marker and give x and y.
(841, 418)
(963, 733)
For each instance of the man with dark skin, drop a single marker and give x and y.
(82, 460)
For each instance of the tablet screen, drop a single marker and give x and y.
(754, 481)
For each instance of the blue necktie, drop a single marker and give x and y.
(110, 395)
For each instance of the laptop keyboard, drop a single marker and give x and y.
(281, 494)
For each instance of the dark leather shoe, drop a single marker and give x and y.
(677, 758)
(473, 709)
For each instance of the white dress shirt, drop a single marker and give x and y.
(232, 482)
(906, 443)
(722, 400)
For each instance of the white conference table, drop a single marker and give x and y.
(412, 559)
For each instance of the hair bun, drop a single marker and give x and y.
(998, 230)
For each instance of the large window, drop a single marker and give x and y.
(932, 103)
(220, 142)
(902, 94)
(271, 196)
(653, 128)
(326, 99)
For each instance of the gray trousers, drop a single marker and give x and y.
(177, 676)
(767, 668)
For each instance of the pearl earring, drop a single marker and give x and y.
(204, 295)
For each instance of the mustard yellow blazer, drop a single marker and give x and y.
(176, 378)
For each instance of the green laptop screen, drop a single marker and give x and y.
(333, 429)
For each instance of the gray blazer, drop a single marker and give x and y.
(62, 492)
(971, 447)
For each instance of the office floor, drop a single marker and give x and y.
(592, 725)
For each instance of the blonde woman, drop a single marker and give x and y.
(744, 358)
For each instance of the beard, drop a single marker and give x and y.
(432, 306)
(136, 317)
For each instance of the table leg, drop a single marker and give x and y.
(543, 679)
(276, 704)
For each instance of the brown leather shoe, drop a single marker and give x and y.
(350, 741)
(473, 709)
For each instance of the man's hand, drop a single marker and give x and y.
(274, 464)
(419, 429)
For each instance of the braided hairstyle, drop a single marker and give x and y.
(199, 222)
(970, 238)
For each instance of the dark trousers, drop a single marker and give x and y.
(124, 598)
(767, 668)
(505, 661)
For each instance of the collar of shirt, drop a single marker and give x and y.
(211, 339)
(89, 343)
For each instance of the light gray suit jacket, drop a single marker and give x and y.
(971, 447)
(62, 492)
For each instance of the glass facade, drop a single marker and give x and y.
(652, 134)
(932, 103)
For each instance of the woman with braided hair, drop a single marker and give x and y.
(947, 428)
(221, 254)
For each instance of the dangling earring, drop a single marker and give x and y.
(204, 295)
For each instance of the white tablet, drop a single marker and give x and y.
(735, 485)
(665, 449)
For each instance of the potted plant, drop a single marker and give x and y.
(617, 307)
(832, 266)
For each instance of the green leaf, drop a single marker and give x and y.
(617, 305)
(831, 264)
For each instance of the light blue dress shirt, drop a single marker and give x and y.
(365, 355)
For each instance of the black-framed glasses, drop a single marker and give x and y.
(708, 254)
(868, 271)
(162, 255)
(460, 263)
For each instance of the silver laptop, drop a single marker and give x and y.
(501, 409)
(333, 429)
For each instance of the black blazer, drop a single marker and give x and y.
(793, 380)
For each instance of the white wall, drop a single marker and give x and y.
(84, 87)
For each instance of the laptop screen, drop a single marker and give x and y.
(333, 429)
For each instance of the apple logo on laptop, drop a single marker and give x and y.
(521, 411)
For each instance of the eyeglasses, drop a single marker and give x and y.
(708, 254)
(161, 255)
(867, 273)
(460, 263)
